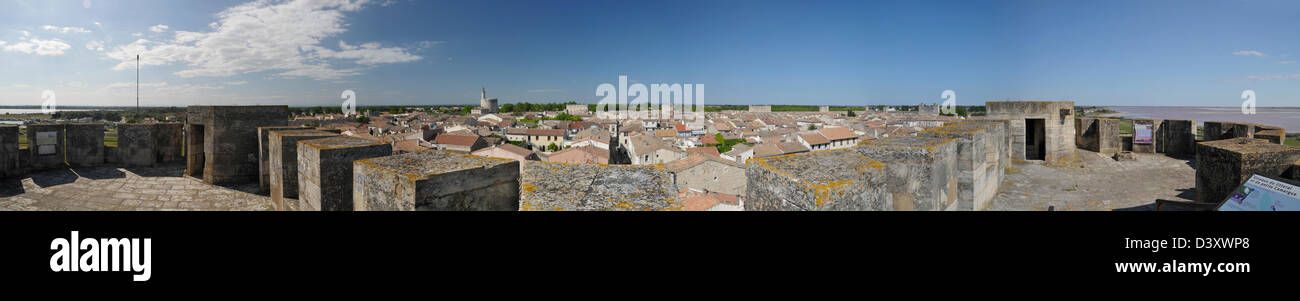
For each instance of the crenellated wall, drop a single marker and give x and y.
(435, 180)
(833, 180)
(1058, 131)
(9, 155)
(223, 141)
(551, 186)
(1222, 165)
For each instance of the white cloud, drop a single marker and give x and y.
(124, 85)
(158, 28)
(242, 82)
(95, 46)
(267, 36)
(66, 29)
(1249, 53)
(1286, 62)
(159, 89)
(39, 47)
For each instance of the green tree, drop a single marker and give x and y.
(363, 119)
(851, 114)
(812, 127)
(552, 147)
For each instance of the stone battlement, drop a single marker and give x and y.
(548, 186)
(830, 180)
(435, 180)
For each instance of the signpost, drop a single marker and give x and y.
(1142, 134)
(1261, 193)
(46, 143)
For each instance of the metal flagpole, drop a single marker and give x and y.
(137, 85)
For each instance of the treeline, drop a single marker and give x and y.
(131, 115)
(522, 107)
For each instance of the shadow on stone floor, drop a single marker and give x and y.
(1143, 207)
(11, 187)
(99, 173)
(52, 178)
(172, 171)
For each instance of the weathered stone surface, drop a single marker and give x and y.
(161, 188)
(136, 145)
(223, 143)
(1058, 123)
(1276, 135)
(835, 180)
(54, 158)
(9, 155)
(980, 165)
(283, 149)
(551, 186)
(264, 160)
(1156, 133)
(435, 180)
(1178, 138)
(1222, 165)
(85, 142)
(1125, 156)
(1294, 173)
(1098, 134)
(1219, 130)
(325, 168)
(919, 171)
(169, 138)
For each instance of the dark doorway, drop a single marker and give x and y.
(1035, 141)
(194, 156)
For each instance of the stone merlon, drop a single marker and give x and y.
(549, 186)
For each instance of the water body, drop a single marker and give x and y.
(1288, 118)
(29, 111)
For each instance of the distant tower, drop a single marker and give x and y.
(486, 104)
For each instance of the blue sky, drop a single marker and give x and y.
(1196, 53)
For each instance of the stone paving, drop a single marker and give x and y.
(1097, 182)
(124, 189)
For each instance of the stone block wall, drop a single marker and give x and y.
(264, 159)
(228, 139)
(1294, 173)
(980, 167)
(834, 180)
(1219, 130)
(1156, 133)
(1178, 137)
(85, 142)
(54, 152)
(1058, 123)
(1271, 133)
(168, 142)
(1222, 165)
(283, 149)
(919, 171)
(325, 168)
(9, 156)
(1098, 134)
(435, 180)
(136, 146)
(551, 186)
